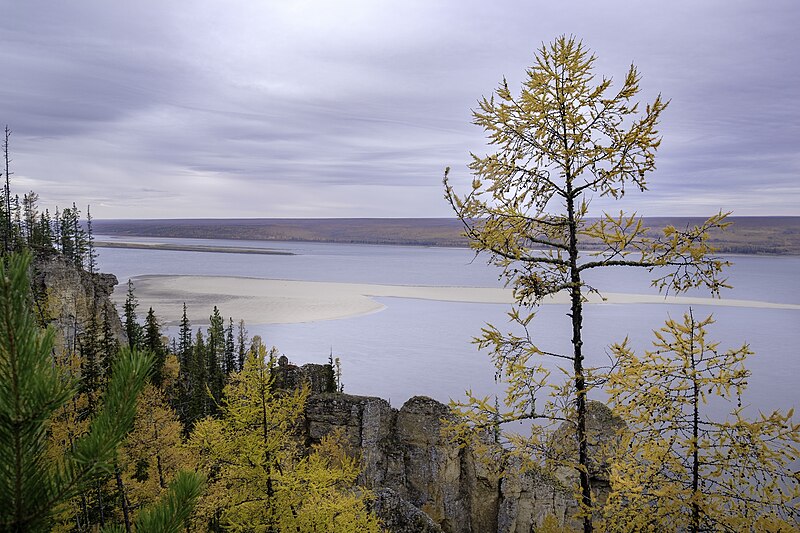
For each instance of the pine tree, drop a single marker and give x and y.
(32, 390)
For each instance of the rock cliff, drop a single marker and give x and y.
(402, 451)
(67, 298)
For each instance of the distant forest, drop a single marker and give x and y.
(747, 235)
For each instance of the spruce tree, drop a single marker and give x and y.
(109, 345)
(91, 253)
(30, 215)
(92, 371)
(230, 349)
(132, 327)
(241, 345)
(185, 342)
(215, 355)
(66, 233)
(200, 404)
(152, 343)
(7, 238)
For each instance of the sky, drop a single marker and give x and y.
(353, 108)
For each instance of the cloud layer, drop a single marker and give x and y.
(353, 108)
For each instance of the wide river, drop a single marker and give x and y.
(413, 346)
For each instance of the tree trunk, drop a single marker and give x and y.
(695, 525)
(125, 510)
(576, 314)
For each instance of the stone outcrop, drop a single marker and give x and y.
(403, 451)
(399, 516)
(67, 297)
(319, 378)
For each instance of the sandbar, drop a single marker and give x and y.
(189, 248)
(272, 301)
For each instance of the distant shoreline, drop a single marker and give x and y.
(747, 235)
(189, 248)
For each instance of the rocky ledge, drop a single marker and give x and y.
(407, 462)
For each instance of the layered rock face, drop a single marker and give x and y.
(403, 451)
(68, 298)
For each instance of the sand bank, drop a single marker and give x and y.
(189, 248)
(268, 301)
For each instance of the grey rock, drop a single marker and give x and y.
(319, 378)
(399, 516)
(403, 451)
(602, 433)
(70, 297)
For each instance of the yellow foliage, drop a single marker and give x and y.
(258, 476)
(153, 452)
(680, 469)
(565, 138)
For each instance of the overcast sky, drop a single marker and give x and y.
(346, 108)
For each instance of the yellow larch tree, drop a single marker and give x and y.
(259, 477)
(567, 138)
(679, 467)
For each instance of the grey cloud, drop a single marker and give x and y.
(313, 108)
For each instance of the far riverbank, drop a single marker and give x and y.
(746, 235)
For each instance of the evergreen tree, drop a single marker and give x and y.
(17, 238)
(55, 230)
(93, 373)
(185, 342)
(79, 238)
(241, 345)
(42, 238)
(7, 232)
(152, 342)
(109, 345)
(32, 389)
(200, 402)
(215, 356)
(132, 327)
(91, 253)
(30, 215)
(230, 349)
(66, 233)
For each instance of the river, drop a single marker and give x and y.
(423, 347)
